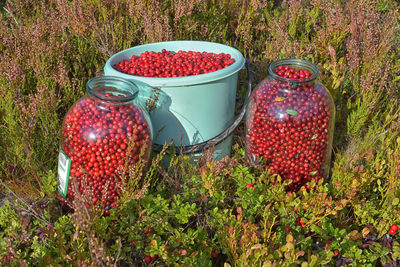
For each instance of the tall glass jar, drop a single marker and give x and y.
(103, 133)
(290, 123)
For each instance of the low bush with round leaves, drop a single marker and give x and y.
(227, 213)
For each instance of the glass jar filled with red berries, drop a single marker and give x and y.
(104, 132)
(290, 123)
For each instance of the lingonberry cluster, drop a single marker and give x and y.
(100, 138)
(248, 186)
(171, 64)
(288, 126)
(292, 73)
(393, 229)
(149, 258)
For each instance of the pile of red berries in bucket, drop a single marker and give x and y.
(102, 133)
(289, 124)
(171, 64)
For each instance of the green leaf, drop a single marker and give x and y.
(244, 204)
(313, 173)
(395, 201)
(292, 112)
(289, 238)
(314, 136)
(396, 250)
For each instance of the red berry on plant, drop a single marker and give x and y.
(394, 227)
(302, 224)
(392, 231)
(147, 258)
(214, 254)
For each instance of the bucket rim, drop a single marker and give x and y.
(179, 81)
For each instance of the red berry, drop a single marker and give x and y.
(248, 186)
(302, 224)
(147, 258)
(214, 254)
(287, 229)
(394, 227)
(174, 64)
(392, 232)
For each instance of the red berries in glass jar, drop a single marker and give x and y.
(102, 133)
(289, 124)
(171, 64)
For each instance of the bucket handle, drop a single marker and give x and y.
(200, 147)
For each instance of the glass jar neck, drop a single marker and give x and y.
(111, 89)
(294, 63)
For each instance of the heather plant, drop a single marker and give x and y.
(209, 213)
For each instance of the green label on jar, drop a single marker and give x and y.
(64, 166)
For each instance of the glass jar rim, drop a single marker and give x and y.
(294, 62)
(119, 85)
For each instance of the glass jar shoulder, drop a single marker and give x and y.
(287, 100)
(90, 121)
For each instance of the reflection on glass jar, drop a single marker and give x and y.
(289, 124)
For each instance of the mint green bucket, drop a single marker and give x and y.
(197, 111)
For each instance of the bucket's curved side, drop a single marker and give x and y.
(197, 113)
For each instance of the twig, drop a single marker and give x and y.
(165, 174)
(30, 210)
(11, 15)
(119, 251)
